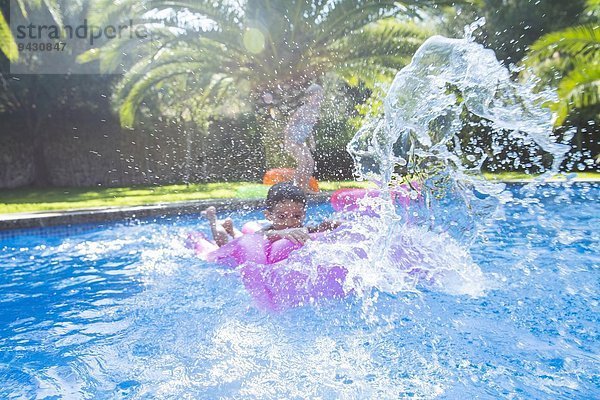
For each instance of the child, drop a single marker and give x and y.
(299, 141)
(286, 209)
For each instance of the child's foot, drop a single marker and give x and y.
(227, 224)
(211, 214)
(219, 235)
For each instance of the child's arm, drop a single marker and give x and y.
(325, 226)
(294, 235)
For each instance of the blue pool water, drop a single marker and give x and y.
(126, 311)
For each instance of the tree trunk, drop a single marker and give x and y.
(41, 176)
(35, 116)
(39, 137)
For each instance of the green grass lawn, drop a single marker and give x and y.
(29, 200)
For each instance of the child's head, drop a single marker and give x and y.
(286, 206)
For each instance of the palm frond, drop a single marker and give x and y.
(167, 68)
(579, 89)
(105, 11)
(393, 39)
(571, 57)
(220, 11)
(580, 41)
(54, 10)
(592, 7)
(51, 5)
(131, 100)
(346, 17)
(8, 46)
(396, 43)
(303, 40)
(25, 4)
(117, 53)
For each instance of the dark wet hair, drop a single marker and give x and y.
(284, 191)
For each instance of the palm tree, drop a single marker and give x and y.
(575, 52)
(255, 53)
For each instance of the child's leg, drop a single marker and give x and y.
(227, 224)
(219, 234)
(300, 152)
(309, 168)
(300, 179)
(305, 168)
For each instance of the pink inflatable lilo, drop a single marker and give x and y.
(263, 263)
(264, 273)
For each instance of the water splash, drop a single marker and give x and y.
(454, 110)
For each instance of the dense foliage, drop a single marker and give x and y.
(223, 73)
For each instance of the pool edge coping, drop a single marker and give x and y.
(43, 219)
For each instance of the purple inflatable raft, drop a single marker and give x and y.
(263, 264)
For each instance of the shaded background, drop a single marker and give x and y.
(65, 130)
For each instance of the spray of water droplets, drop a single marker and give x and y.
(454, 110)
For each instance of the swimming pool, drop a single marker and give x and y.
(126, 311)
